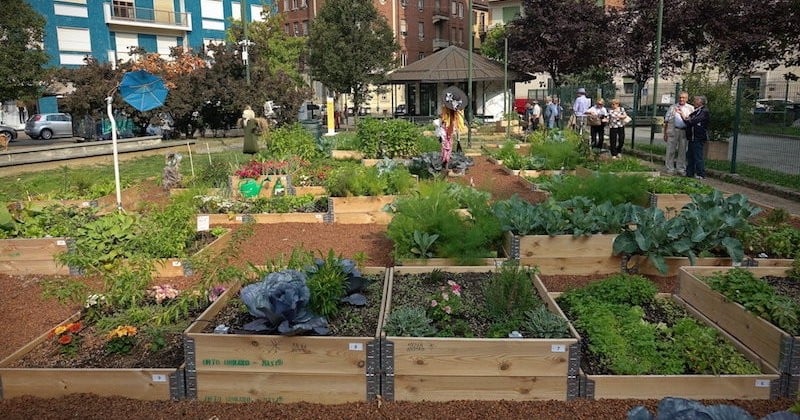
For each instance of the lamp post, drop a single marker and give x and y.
(506, 111)
(245, 43)
(656, 70)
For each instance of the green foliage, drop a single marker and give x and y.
(703, 353)
(409, 322)
(152, 240)
(65, 290)
(433, 209)
(775, 241)
(290, 141)
(422, 244)
(542, 323)
(720, 102)
(577, 216)
(327, 286)
(619, 289)
(392, 138)
(677, 185)
(509, 293)
(741, 286)
(35, 221)
(347, 141)
(603, 186)
(22, 56)
(758, 173)
(626, 164)
(352, 179)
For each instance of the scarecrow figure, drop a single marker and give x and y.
(172, 173)
(451, 122)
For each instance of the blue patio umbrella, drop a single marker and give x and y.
(143, 90)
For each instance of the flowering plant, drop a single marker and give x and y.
(67, 337)
(445, 304)
(215, 292)
(163, 292)
(255, 169)
(121, 339)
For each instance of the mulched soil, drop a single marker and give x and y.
(26, 314)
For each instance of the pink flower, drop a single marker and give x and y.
(448, 309)
(434, 303)
(454, 287)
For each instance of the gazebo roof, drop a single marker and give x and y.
(450, 65)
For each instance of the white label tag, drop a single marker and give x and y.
(61, 242)
(203, 223)
(558, 348)
(762, 383)
(159, 378)
(239, 218)
(356, 347)
(177, 263)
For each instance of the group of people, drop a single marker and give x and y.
(549, 117)
(598, 117)
(685, 130)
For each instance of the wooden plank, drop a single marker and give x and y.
(435, 356)
(272, 353)
(174, 267)
(316, 191)
(744, 387)
(360, 204)
(346, 154)
(446, 262)
(365, 218)
(565, 246)
(759, 335)
(267, 182)
(672, 203)
(675, 263)
(449, 388)
(220, 386)
(579, 266)
(20, 353)
(32, 256)
(141, 384)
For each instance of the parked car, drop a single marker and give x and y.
(400, 110)
(10, 132)
(48, 126)
(774, 105)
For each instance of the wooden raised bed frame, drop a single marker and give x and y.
(774, 345)
(767, 385)
(360, 209)
(141, 384)
(243, 367)
(33, 256)
(443, 369)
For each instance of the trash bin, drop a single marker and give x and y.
(314, 127)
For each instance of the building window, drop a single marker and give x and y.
(303, 4)
(420, 4)
(285, 5)
(403, 59)
(296, 29)
(461, 36)
(403, 28)
(124, 9)
(453, 8)
(422, 30)
(287, 29)
(461, 10)
(421, 55)
(305, 28)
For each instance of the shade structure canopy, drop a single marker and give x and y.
(452, 64)
(143, 90)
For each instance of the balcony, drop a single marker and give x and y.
(440, 15)
(439, 43)
(131, 18)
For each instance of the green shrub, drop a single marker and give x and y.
(392, 138)
(290, 141)
(352, 179)
(603, 186)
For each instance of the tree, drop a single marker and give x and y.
(21, 55)
(494, 44)
(351, 47)
(558, 37)
(278, 52)
(91, 84)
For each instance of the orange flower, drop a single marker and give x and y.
(61, 329)
(65, 339)
(74, 327)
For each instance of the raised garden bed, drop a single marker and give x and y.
(776, 346)
(564, 254)
(451, 368)
(33, 256)
(279, 368)
(360, 209)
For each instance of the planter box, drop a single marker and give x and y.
(373, 162)
(346, 154)
(444, 369)
(360, 210)
(763, 386)
(46, 203)
(264, 218)
(32, 256)
(564, 254)
(674, 264)
(141, 384)
(670, 204)
(244, 367)
(716, 150)
(588, 172)
(447, 262)
(775, 346)
(315, 190)
(176, 267)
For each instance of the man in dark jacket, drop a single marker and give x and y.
(696, 135)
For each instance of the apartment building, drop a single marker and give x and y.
(107, 29)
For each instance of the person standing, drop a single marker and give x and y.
(551, 114)
(696, 136)
(536, 115)
(675, 135)
(560, 111)
(597, 117)
(616, 128)
(579, 108)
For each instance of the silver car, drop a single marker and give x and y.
(10, 132)
(48, 126)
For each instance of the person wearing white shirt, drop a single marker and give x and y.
(675, 135)
(579, 107)
(600, 114)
